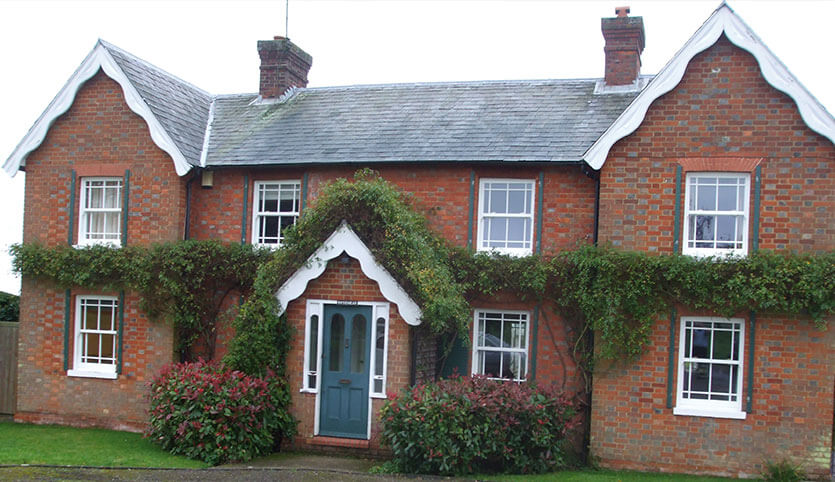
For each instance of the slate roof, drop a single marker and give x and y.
(181, 108)
(540, 120)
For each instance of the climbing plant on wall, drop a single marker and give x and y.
(613, 294)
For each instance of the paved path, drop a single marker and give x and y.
(282, 467)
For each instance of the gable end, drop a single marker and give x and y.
(344, 239)
(98, 59)
(722, 21)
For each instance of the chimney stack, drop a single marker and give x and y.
(624, 37)
(283, 65)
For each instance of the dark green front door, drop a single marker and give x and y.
(345, 361)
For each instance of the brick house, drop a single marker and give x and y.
(722, 152)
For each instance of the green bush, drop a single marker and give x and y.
(783, 471)
(205, 411)
(475, 425)
(9, 307)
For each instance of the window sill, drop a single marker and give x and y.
(92, 374)
(516, 253)
(379, 395)
(703, 412)
(718, 254)
(109, 244)
(308, 390)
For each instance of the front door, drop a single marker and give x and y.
(345, 361)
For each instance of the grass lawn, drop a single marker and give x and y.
(54, 445)
(604, 476)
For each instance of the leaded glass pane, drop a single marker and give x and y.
(337, 334)
(358, 330)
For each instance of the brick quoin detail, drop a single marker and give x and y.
(722, 117)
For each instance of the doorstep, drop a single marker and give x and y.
(353, 443)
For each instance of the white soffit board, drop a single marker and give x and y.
(99, 58)
(723, 20)
(345, 239)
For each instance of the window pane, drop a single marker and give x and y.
(492, 332)
(107, 320)
(740, 198)
(720, 378)
(108, 352)
(496, 232)
(337, 334)
(92, 344)
(706, 198)
(701, 343)
(704, 231)
(286, 221)
(517, 201)
(378, 386)
(490, 362)
(727, 198)
(358, 330)
(722, 345)
(518, 230)
(111, 197)
(269, 229)
(91, 318)
(498, 200)
(726, 230)
(514, 334)
(699, 380)
(379, 346)
(313, 343)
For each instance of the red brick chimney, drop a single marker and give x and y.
(283, 65)
(624, 37)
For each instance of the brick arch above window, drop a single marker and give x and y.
(719, 164)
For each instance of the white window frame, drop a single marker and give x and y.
(710, 408)
(84, 212)
(475, 369)
(257, 214)
(87, 369)
(483, 215)
(688, 192)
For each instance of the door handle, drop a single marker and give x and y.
(345, 381)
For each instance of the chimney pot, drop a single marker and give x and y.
(283, 65)
(622, 11)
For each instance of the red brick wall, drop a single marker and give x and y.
(732, 113)
(724, 113)
(441, 193)
(554, 342)
(98, 135)
(342, 282)
(791, 416)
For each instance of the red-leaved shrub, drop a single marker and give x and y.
(205, 411)
(475, 425)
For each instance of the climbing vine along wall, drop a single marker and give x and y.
(616, 295)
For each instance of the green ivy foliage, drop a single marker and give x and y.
(387, 222)
(619, 295)
(614, 294)
(184, 282)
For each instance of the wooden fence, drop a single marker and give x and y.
(8, 366)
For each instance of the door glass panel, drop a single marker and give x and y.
(313, 343)
(337, 334)
(358, 327)
(379, 344)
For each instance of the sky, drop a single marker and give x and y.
(212, 44)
